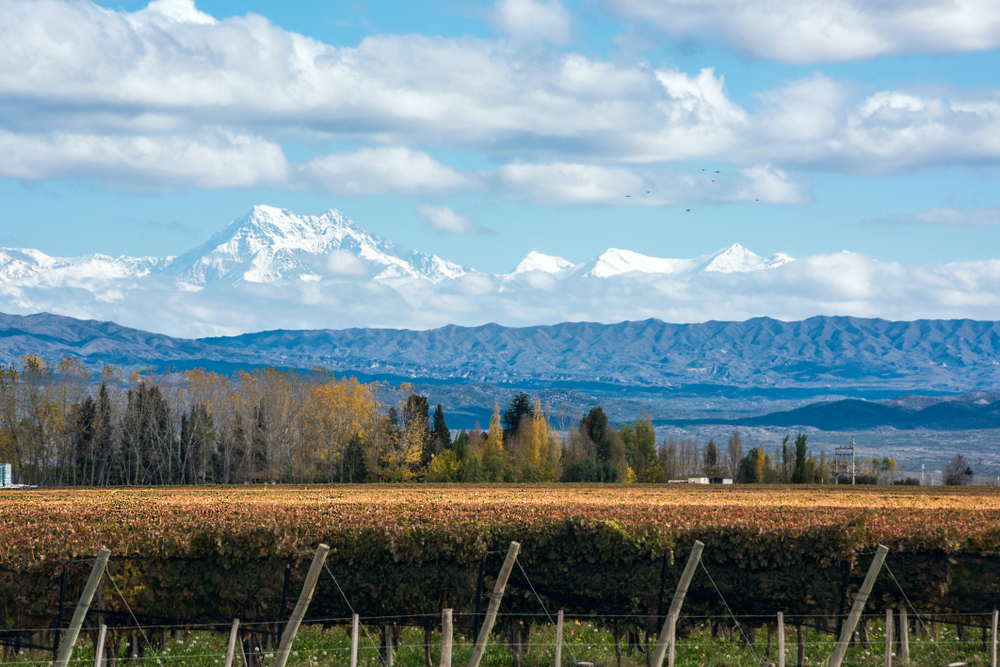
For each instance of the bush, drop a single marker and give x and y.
(907, 481)
(589, 470)
(858, 479)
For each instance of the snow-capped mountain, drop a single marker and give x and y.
(269, 245)
(273, 269)
(617, 262)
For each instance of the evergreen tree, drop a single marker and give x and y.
(520, 407)
(84, 419)
(461, 445)
(442, 436)
(595, 425)
(799, 474)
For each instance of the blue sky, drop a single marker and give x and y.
(480, 131)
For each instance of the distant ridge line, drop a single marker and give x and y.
(957, 355)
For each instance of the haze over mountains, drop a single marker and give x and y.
(272, 268)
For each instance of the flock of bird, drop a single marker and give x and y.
(686, 210)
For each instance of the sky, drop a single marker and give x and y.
(481, 131)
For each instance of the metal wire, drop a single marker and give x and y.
(141, 632)
(738, 626)
(525, 574)
(363, 628)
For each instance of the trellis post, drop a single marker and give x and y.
(491, 611)
(231, 649)
(781, 639)
(993, 640)
(559, 638)
(888, 637)
(447, 633)
(355, 621)
(859, 606)
(66, 650)
(666, 636)
(305, 597)
(904, 636)
(99, 646)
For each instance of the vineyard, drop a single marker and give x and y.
(607, 553)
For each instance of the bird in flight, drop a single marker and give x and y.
(689, 209)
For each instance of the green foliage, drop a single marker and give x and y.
(801, 450)
(595, 425)
(589, 470)
(519, 408)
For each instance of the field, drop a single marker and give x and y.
(207, 555)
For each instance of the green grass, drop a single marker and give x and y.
(582, 641)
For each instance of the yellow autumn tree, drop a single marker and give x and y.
(494, 439)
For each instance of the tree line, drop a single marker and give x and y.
(61, 424)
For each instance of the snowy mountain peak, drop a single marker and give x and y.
(614, 262)
(536, 261)
(270, 244)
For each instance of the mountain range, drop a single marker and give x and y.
(974, 410)
(819, 353)
(272, 268)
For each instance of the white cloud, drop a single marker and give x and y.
(562, 183)
(444, 219)
(766, 184)
(953, 217)
(383, 171)
(222, 159)
(133, 94)
(806, 31)
(528, 20)
(830, 284)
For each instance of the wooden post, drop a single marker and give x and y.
(447, 634)
(993, 640)
(233, 634)
(66, 650)
(491, 611)
(904, 637)
(305, 597)
(355, 621)
(859, 606)
(888, 638)
(672, 633)
(781, 639)
(387, 641)
(675, 605)
(559, 633)
(99, 646)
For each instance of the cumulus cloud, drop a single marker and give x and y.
(170, 96)
(807, 31)
(445, 219)
(528, 20)
(383, 171)
(223, 159)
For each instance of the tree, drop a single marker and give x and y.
(520, 407)
(752, 467)
(461, 445)
(711, 461)
(959, 472)
(735, 452)
(799, 473)
(417, 430)
(644, 461)
(595, 425)
(442, 436)
(669, 459)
